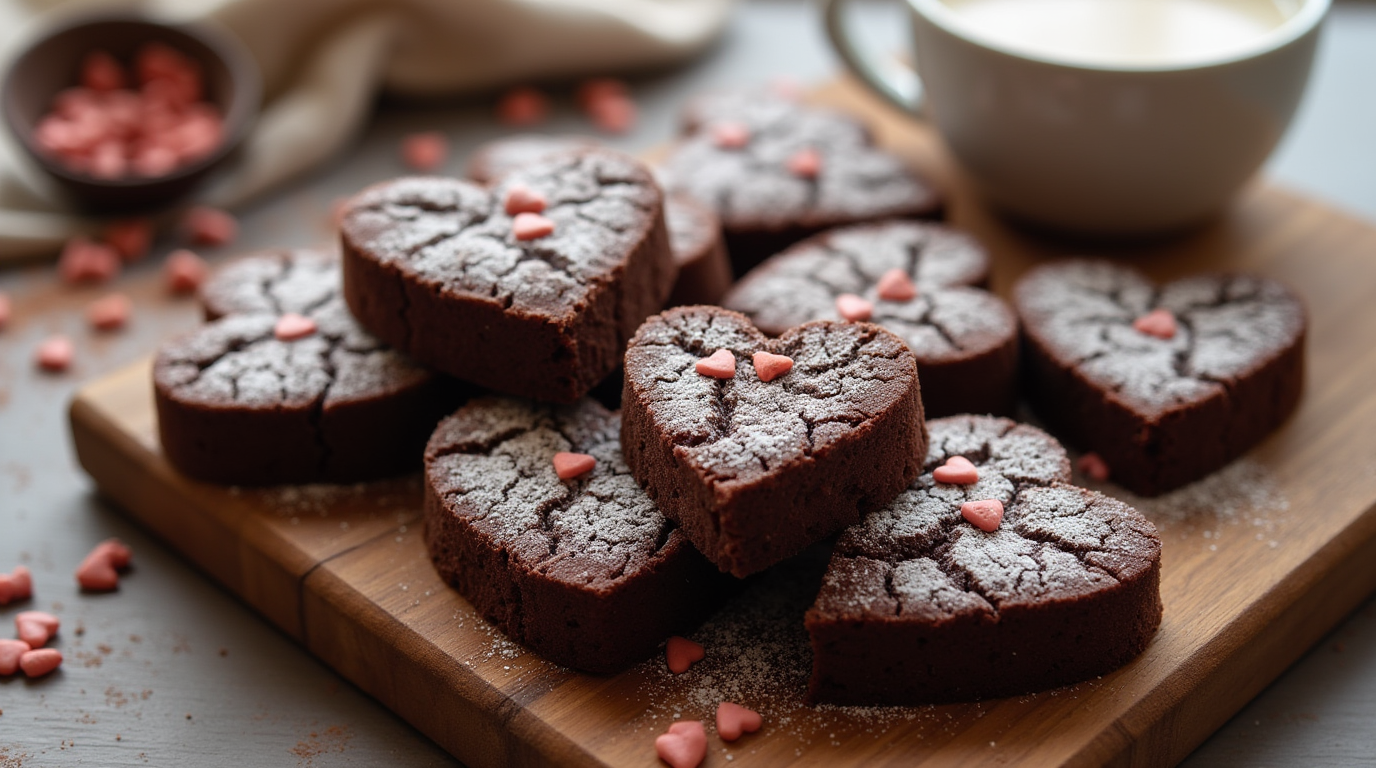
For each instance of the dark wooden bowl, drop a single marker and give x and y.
(52, 62)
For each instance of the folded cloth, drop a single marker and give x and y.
(322, 62)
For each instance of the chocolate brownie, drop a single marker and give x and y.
(753, 105)
(756, 470)
(1162, 406)
(919, 605)
(499, 157)
(704, 271)
(538, 305)
(584, 571)
(238, 405)
(274, 282)
(785, 173)
(965, 339)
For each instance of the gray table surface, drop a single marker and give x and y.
(173, 670)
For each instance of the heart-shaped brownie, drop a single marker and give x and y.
(1165, 383)
(530, 287)
(919, 280)
(576, 564)
(926, 600)
(779, 171)
(286, 387)
(758, 447)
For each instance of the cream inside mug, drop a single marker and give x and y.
(1109, 117)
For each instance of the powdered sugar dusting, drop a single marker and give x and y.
(274, 282)
(1227, 327)
(454, 235)
(1056, 540)
(753, 186)
(947, 318)
(492, 463)
(844, 374)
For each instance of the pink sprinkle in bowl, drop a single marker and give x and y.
(52, 62)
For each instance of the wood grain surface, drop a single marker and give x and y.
(1258, 561)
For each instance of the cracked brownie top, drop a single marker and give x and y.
(741, 428)
(275, 282)
(947, 319)
(752, 185)
(917, 557)
(457, 237)
(496, 159)
(491, 464)
(1226, 326)
(238, 361)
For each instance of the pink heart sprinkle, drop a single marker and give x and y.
(719, 365)
(109, 313)
(734, 720)
(6, 310)
(1158, 322)
(424, 151)
(805, 164)
(40, 662)
(957, 471)
(570, 465)
(210, 226)
(130, 238)
(55, 354)
(35, 627)
(523, 199)
(684, 746)
(531, 226)
(10, 653)
(769, 366)
(853, 308)
(613, 114)
(184, 271)
(1093, 466)
(984, 515)
(896, 285)
(681, 653)
(730, 135)
(523, 106)
(291, 327)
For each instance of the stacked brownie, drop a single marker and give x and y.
(241, 402)
(585, 570)
(776, 171)
(529, 287)
(922, 281)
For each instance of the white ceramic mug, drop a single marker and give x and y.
(1094, 144)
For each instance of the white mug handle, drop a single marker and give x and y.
(897, 82)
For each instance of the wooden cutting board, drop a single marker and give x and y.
(1259, 560)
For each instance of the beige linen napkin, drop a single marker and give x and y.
(322, 61)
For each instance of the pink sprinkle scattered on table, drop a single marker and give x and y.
(680, 653)
(109, 313)
(184, 271)
(684, 746)
(55, 354)
(424, 151)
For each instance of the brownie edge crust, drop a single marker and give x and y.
(920, 606)
(586, 572)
